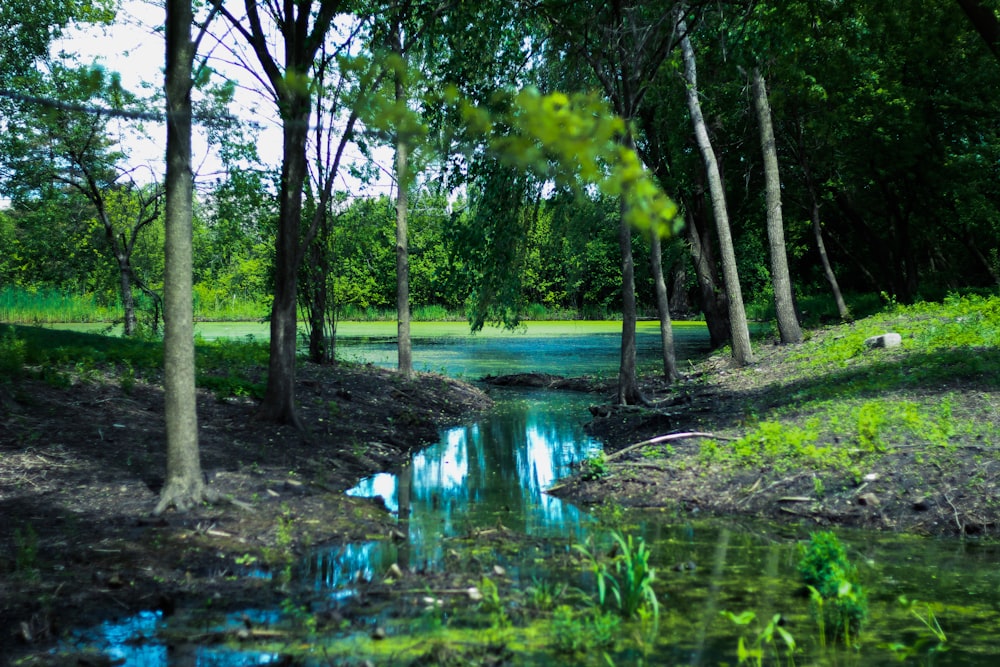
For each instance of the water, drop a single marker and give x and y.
(492, 474)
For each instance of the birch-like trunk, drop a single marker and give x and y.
(784, 304)
(739, 331)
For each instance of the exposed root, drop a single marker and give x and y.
(184, 496)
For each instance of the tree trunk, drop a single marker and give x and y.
(628, 383)
(739, 331)
(681, 301)
(402, 244)
(279, 396)
(784, 304)
(128, 299)
(712, 299)
(985, 22)
(670, 372)
(184, 487)
(817, 228)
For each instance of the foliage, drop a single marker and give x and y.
(13, 354)
(594, 467)
(625, 584)
(839, 602)
(576, 633)
(753, 653)
(934, 636)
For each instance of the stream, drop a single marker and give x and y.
(492, 473)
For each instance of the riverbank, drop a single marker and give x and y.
(82, 461)
(833, 431)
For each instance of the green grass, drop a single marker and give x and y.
(230, 368)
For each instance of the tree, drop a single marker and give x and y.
(739, 331)
(184, 487)
(788, 323)
(66, 145)
(625, 44)
(302, 27)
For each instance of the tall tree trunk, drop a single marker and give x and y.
(184, 487)
(402, 238)
(710, 297)
(784, 304)
(670, 372)
(279, 397)
(628, 383)
(739, 331)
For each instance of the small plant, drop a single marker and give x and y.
(753, 653)
(580, 633)
(543, 595)
(626, 583)
(934, 633)
(128, 378)
(492, 604)
(594, 467)
(26, 557)
(13, 354)
(839, 603)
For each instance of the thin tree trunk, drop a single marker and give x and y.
(402, 241)
(128, 299)
(184, 487)
(628, 383)
(784, 305)
(739, 331)
(831, 277)
(670, 372)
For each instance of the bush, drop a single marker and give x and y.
(840, 604)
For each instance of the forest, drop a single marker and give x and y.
(817, 171)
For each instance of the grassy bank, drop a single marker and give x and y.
(834, 430)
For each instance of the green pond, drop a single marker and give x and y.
(491, 474)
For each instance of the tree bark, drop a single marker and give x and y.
(712, 300)
(184, 487)
(817, 228)
(403, 346)
(739, 331)
(628, 383)
(128, 299)
(985, 22)
(784, 305)
(670, 372)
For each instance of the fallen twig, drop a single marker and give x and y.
(665, 438)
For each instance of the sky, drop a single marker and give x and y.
(134, 48)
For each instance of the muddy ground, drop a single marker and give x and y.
(911, 487)
(80, 468)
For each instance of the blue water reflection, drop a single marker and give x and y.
(489, 474)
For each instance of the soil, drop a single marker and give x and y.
(912, 487)
(81, 468)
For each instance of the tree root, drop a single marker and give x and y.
(184, 496)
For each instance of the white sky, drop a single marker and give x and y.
(134, 48)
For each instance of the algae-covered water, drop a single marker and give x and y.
(476, 501)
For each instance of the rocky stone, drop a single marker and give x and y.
(886, 340)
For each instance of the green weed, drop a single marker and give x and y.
(763, 641)
(26, 554)
(594, 467)
(576, 633)
(625, 584)
(840, 604)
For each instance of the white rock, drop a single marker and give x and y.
(884, 340)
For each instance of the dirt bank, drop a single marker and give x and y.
(80, 468)
(901, 439)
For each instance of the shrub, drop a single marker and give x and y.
(839, 602)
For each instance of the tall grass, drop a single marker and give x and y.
(46, 306)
